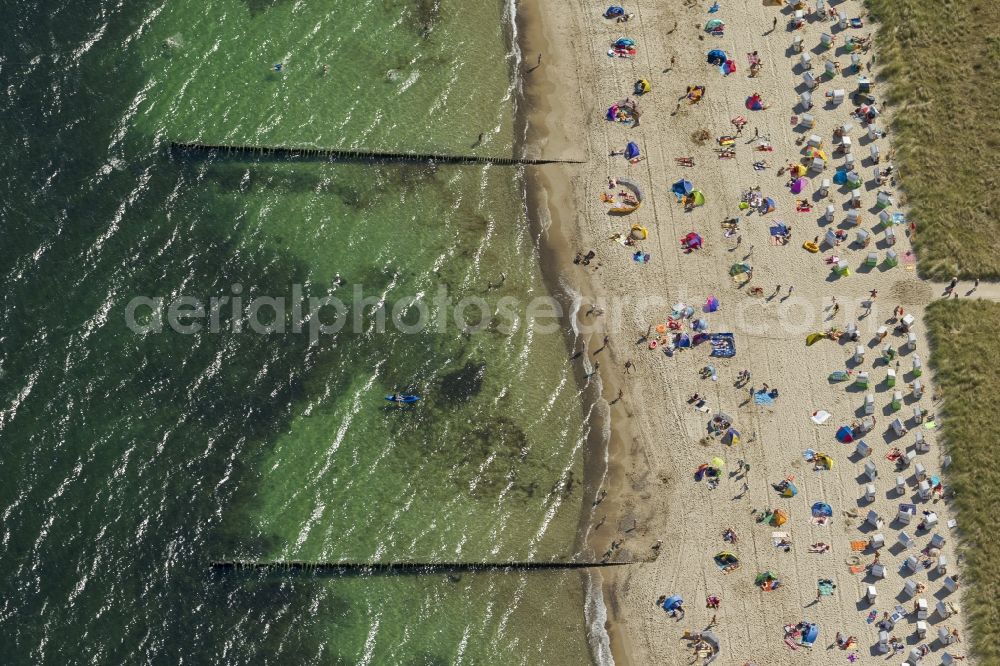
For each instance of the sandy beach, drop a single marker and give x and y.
(659, 439)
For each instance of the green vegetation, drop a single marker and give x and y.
(964, 357)
(938, 58)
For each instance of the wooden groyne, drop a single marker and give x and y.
(405, 568)
(357, 156)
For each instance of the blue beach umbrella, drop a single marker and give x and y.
(631, 150)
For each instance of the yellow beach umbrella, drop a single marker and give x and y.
(718, 463)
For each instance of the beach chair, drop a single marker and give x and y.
(805, 60)
(883, 200)
(900, 485)
(910, 456)
(892, 260)
(809, 80)
(824, 188)
(862, 237)
(910, 588)
(837, 96)
(944, 636)
(853, 183)
(883, 642)
(878, 571)
(876, 174)
(890, 236)
(830, 69)
(937, 541)
(911, 337)
(805, 119)
(806, 101)
(918, 415)
(921, 445)
(930, 520)
(849, 163)
(869, 492)
(842, 20)
(826, 40)
(950, 583)
(918, 389)
(872, 594)
(872, 259)
(905, 540)
(904, 516)
(942, 565)
(873, 518)
(817, 164)
(862, 448)
(846, 144)
(921, 629)
(897, 401)
(815, 141)
(885, 218)
(856, 62)
(920, 472)
(942, 610)
(877, 542)
(947, 659)
(890, 377)
(874, 133)
(917, 368)
(922, 611)
(898, 427)
(874, 153)
(869, 409)
(924, 490)
(859, 357)
(871, 471)
(828, 216)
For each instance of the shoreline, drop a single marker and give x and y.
(641, 464)
(541, 122)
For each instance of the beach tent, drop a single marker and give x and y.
(799, 184)
(754, 102)
(718, 463)
(641, 87)
(682, 188)
(726, 560)
(809, 635)
(822, 509)
(715, 25)
(624, 43)
(683, 340)
(717, 57)
(614, 12)
(711, 304)
(691, 242)
(631, 150)
(696, 198)
(767, 581)
(779, 518)
(723, 345)
(673, 603)
(845, 435)
(823, 460)
(787, 489)
(636, 190)
(639, 233)
(732, 437)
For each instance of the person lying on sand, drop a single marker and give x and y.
(819, 547)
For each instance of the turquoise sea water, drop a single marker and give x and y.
(131, 461)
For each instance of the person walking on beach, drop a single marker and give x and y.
(975, 285)
(628, 366)
(873, 294)
(607, 339)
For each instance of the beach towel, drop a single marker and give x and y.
(779, 229)
(871, 616)
(859, 545)
(855, 568)
(820, 417)
(762, 398)
(894, 454)
(723, 345)
(820, 520)
(826, 587)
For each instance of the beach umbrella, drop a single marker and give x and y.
(614, 12)
(754, 102)
(715, 24)
(816, 152)
(845, 435)
(682, 187)
(799, 184)
(631, 150)
(698, 199)
(840, 177)
(718, 463)
(717, 57)
(822, 509)
(624, 43)
(712, 304)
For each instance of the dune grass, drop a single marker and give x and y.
(966, 363)
(938, 60)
